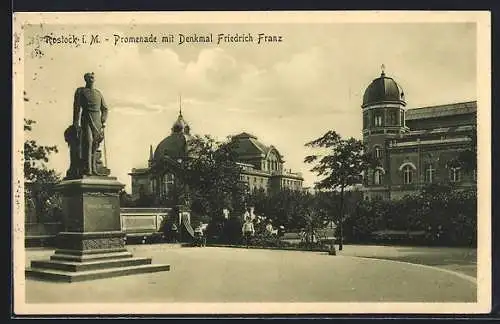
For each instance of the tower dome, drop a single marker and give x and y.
(383, 90)
(180, 125)
(175, 146)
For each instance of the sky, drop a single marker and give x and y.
(285, 93)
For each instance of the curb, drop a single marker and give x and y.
(267, 248)
(468, 278)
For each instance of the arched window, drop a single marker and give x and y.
(378, 176)
(378, 120)
(429, 173)
(407, 174)
(455, 174)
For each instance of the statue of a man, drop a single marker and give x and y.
(89, 119)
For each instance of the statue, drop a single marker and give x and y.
(86, 134)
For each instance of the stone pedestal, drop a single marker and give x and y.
(92, 245)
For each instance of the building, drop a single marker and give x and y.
(262, 167)
(413, 147)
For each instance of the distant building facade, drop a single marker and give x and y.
(413, 147)
(262, 167)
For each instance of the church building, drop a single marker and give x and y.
(414, 147)
(262, 166)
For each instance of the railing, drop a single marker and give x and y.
(143, 220)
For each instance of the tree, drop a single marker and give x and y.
(39, 180)
(340, 167)
(35, 157)
(213, 176)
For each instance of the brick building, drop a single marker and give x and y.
(414, 147)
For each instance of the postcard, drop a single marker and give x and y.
(281, 162)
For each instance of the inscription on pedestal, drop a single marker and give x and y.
(101, 213)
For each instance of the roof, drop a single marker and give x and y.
(383, 90)
(249, 146)
(441, 130)
(174, 146)
(453, 109)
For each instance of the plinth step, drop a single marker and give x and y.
(89, 265)
(90, 257)
(65, 276)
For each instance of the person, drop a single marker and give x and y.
(248, 230)
(269, 228)
(199, 235)
(246, 215)
(281, 231)
(90, 114)
(174, 232)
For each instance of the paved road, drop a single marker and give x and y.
(463, 260)
(240, 275)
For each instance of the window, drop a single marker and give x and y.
(454, 174)
(378, 176)
(407, 174)
(378, 120)
(391, 118)
(402, 117)
(429, 173)
(378, 152)
(365, 119)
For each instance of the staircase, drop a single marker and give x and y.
(68, 266)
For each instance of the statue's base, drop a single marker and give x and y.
(72, 266)
(93, 245)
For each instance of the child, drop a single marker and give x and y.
(248, 230)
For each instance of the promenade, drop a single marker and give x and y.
(213, 274)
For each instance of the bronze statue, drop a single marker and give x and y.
(86, 134)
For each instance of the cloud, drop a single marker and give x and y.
(137, 106)
(285, 95)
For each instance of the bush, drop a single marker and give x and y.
(441, 215)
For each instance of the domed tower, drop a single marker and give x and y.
(168, 157)
(383, 121)
(174, 146)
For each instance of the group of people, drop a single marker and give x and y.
(248, 228)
